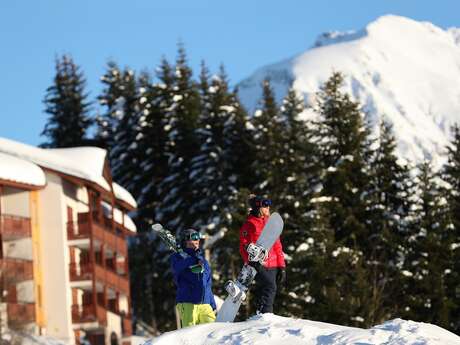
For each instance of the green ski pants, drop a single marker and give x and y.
(195, 314)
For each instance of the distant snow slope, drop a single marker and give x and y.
(405, 70)
(270, 329)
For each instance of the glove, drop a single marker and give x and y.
(255, 264)
(281, 277)
(198, 268)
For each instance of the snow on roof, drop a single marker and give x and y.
(83, 162)
(21, 171)
(88, 162)
(272, 329)
(128, 222)
(123, 194)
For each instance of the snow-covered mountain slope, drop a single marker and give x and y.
(405, 70)
(270, 329)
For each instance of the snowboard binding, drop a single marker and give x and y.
(256, 253)
(235, 290)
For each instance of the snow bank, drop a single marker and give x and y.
(270, 329)
(20, 171)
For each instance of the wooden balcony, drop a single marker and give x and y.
(81, 272)
(16, 270)
(15, 227)
(20, 313)
(104, 275)
(121, 283)
(110, 238)
(89, 313)
(78, 231)
(100, 230)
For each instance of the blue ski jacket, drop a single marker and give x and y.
(195, 288)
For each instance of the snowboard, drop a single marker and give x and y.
(257, 252)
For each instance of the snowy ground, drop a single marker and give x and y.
(271, 329)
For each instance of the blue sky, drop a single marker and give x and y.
(243, 35)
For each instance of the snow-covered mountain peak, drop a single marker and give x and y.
(398, 68)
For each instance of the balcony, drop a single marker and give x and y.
(100, 230)
(80, 272)
(89, 313)
(20, 313)
(108, 277)
(15, 227)
(16, 270)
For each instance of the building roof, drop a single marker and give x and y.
(21, 172)
(86, 163)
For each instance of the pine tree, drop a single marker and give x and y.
(296, 169)
(293, 179)
(388, 226)
(428, 267)
(110, 97)
(124, 154)
(267, 138)
(451, 174)
(120, 124)
(344, 154)
(156, 105)
(67, 106)
(215, 168)
(182, 145)
(334, 276)
(340, 219)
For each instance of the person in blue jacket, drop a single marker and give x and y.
(193, 279)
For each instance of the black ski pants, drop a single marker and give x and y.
(265, 290)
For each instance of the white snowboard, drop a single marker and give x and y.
(270, 233)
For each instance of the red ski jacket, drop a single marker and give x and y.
(250, 232)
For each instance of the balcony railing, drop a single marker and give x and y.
(112, 279)
(100, 230)
(15, 227)
(79, 272)
(20, 313)
(16, 270)
(89, 313)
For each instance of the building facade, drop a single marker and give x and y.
(64, 256)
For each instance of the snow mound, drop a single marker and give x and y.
(398, 68)
(270, 329)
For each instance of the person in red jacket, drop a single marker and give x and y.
(272, 271)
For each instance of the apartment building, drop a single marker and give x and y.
(63, 233)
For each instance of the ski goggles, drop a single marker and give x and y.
(194, 236)
(263, 203)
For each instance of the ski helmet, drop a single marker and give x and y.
(189, 235)
(256, 202)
